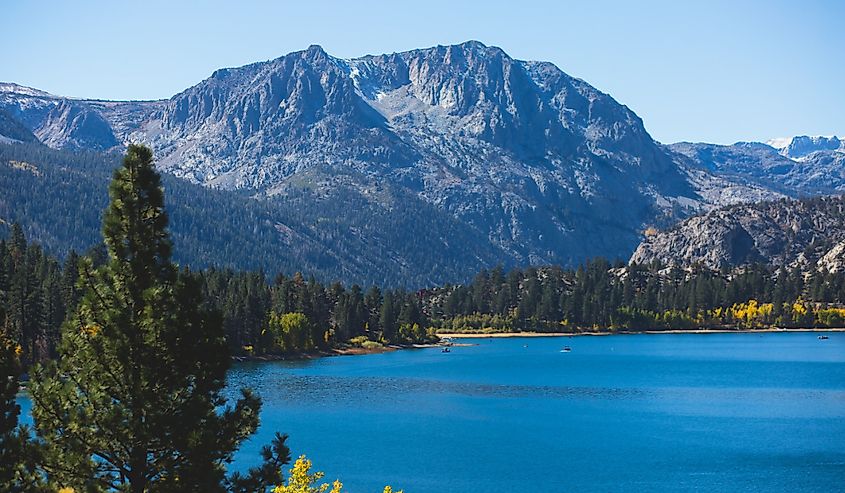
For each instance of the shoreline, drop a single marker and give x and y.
(497, 335)
(344, 351)
(359, 351)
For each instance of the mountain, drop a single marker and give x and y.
(531, 165)
(540, 164)
(792, 170)
(787, 232)
(58, 196)
(802, 146)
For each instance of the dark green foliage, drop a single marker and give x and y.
(274, 456)
(18, 454)
(593, 296)
(350, 313)
(58, 196)
(372, 305)
(32, 302)
(11, 444)
(134, 403)
(597, 296)
(13, 129)
(36, 291)
(388, 317)
(244, 299)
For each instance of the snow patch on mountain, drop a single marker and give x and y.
(10, 87)
(802, 146)
(542, 165)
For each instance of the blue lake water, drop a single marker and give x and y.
(716, 412)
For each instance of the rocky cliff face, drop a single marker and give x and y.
(544, 166)
(803, 146)
(254, 126)
(541, 166)
(834, 260)
(783, 232)
(821, 171)
(73, 126)
(64, 123)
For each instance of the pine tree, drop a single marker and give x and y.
(480, 292)
(319, 313)
(409, 312)
(388, 317)
(11, 443)
(134, 402)
(372, 304)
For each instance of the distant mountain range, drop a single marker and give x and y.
(532, 165)
(792, 170)
(804, 147)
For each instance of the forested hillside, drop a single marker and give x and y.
(58, 198)
(292, 314)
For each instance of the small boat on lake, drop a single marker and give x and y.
(445, 350)
(822, 338)
(566, 349)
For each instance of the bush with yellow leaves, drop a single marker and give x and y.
(302, 480)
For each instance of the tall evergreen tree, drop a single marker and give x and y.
(388, 317)
(372, 304)
(11, 443)
(134, 403)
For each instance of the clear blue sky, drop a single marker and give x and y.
(717, 71)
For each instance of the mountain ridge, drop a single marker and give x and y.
(541, 166)
(801, 146)
(821, 171)
(519, 151)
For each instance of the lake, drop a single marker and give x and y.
(691, 412)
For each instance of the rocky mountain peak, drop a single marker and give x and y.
(12, 88)
(316, 50)
(802, 146)
(538, 164)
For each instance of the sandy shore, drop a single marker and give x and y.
(570, 334)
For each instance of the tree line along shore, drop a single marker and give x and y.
(293, 315)
(505, 335)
